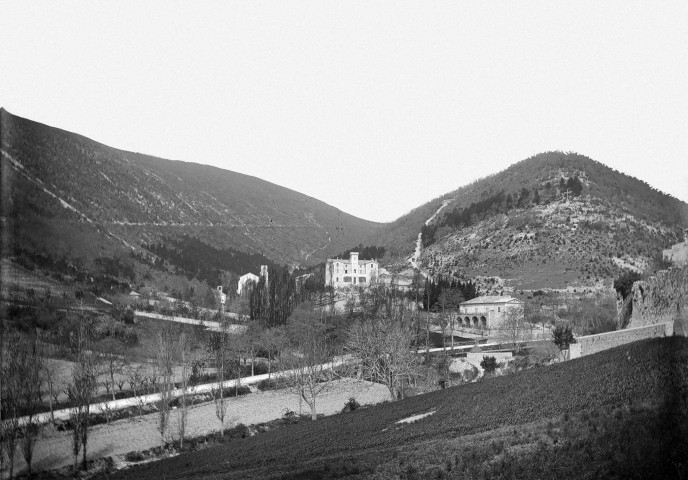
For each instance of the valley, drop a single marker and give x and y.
(144, 279)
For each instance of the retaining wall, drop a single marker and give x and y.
(209, 324)
(476, 358)
(590, 344)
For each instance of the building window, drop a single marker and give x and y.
(337, 279)
(499, 309)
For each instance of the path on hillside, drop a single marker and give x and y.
(134, 434)
(413, 260)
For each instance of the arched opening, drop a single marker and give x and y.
(475, 321)
(467, 322)
(483, 322)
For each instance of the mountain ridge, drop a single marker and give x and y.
(133, 197)
(624, 223)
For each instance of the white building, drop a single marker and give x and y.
(487, 312)
(353, 272)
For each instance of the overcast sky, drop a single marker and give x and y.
(374, 107)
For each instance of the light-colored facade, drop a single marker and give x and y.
(487, 312)
(353, 272)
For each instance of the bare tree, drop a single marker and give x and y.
(81, 390)
(273, 340)
(514, 329)
(218, 348)
(188, 354)
(252, 337)
(11, 401)
(135, 379)
(385, 349)
(165, 366)
(30, 364)
(307, 365)
(111, 351)
(54, 384)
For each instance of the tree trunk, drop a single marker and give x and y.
(314, 415)
(84, 440)
(112, 380)
(451, 331)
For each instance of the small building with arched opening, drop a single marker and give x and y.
(487, 312)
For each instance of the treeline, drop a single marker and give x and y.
(500, 203)
(194, 258)
(447, 293)
(272, 301)
(371, 252)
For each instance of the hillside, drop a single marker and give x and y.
(553, 220)
(64, 194)
(636, 391)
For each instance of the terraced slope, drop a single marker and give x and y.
(647, 375)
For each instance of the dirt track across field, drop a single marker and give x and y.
(54, 448)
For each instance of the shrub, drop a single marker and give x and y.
(269, 384)
(351, 405)
(134, 457)
(489, 364)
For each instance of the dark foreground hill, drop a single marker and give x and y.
(552, 220)
(617, 414)
(66, 195)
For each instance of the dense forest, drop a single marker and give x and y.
(372, 252)
(194, 258)
(444, 292)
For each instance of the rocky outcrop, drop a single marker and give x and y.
(661, 298)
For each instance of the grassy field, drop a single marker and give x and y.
(635, 394)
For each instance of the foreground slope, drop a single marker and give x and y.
(54, 180)
(553, 220)
(650, 374)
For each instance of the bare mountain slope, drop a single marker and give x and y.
(55, 180)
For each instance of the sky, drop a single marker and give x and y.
(374, 107)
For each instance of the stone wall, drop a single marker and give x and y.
(590, 344)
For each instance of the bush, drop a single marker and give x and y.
(134, 457)
(269, 384)
(351, 405)
(489, 364)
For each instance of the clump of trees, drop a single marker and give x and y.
(562, 336)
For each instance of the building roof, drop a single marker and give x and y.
(491, 299)
(348, 260)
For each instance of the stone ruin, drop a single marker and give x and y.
(661, 298)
